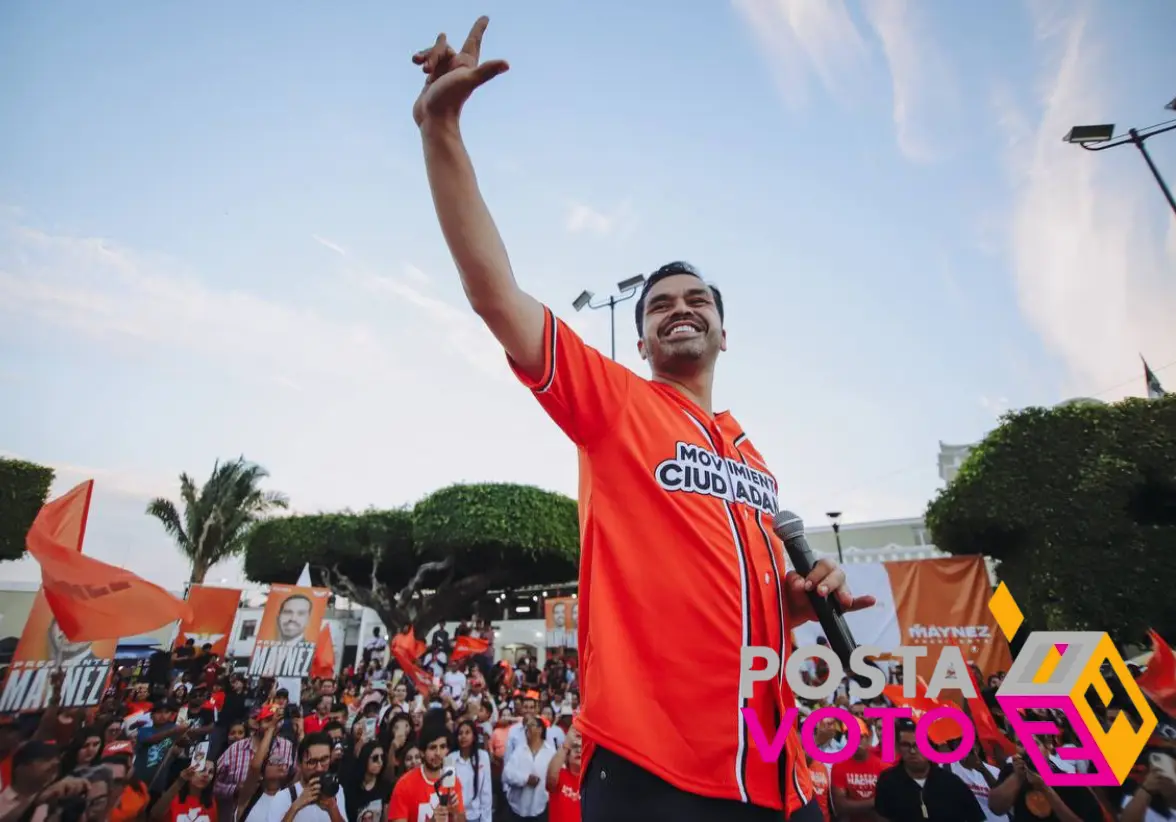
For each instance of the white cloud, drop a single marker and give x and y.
(924, 89)
(584, 219)
(109, 293)
(333, 246)
(1092, 269)
(806, 42)
(463, 332)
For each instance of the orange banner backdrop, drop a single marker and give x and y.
(42, 647)
(213, 612)
(289, 631)
(562, 615)
(929, 602)
(943, 602)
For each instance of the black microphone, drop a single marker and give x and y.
(790, 529)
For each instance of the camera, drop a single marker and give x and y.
(328, 785)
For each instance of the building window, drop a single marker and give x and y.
(921, 536)
(248, 628)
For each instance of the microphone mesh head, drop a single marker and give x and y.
(787, 525)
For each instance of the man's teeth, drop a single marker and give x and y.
(681, 329)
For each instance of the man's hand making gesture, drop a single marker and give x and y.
(451, 76)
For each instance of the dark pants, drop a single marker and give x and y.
(616, 790)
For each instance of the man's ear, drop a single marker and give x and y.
(641, 349)
(723, 346)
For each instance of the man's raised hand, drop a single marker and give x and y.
(451, 76)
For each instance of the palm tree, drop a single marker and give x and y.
(217, 518)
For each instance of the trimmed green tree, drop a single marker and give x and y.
(218, 516)
(24, 488)
(1078, 503)
(430, 563)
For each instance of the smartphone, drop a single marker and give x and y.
(369, 727)
(199, 756)
(1164, 764)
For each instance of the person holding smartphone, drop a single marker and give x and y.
(1155, 798)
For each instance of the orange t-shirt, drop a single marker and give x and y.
(820, 774)
(415, 796)
(859, 780)
(131, 804)
(676, 541)
(564, 802)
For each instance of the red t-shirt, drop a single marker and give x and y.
(415, 797)
(661, 481)
(820, 774)
(859, 780)
(564, 804)
(190, 810)
(315, 723)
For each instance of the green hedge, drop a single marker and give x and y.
(1078, 503)
(24, 488)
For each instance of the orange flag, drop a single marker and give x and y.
(465, 646)
(987, 731)
(323, 665)
(1159, 680)
(406, 650)
(941, 730)
(90, 599)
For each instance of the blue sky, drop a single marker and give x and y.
(217, 237)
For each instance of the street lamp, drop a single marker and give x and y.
(835, 519)
(1102, 137)
(628, 289)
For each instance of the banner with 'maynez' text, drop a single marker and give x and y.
(288, 631)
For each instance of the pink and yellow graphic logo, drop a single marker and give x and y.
(1062, 671)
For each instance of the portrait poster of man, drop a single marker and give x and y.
(562, 615)
(43, 648)
(288, 631)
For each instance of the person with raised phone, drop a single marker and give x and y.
(676, 515)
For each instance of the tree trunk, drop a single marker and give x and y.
(199, 571)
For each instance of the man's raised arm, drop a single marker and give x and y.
(513, 316)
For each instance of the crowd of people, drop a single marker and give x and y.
(188, 740)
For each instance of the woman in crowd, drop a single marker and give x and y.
(269, 773)
(188, 797)
(83, 751)
(471, 762)
(365, 789)
(525, 775)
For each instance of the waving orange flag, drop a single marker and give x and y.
(323, 665)
(90, 599)
(465, 646)
(1159, 680)
(407, 650)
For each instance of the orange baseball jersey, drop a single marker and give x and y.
(678, 565)
(415, 797)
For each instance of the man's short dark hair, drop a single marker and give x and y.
(310, 740)
(433, 727)
(334, 726)
(672, 270)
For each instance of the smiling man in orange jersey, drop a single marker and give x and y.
(699, 558)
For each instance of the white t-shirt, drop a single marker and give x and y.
(261, 808)
(975, 781)
(1149, 815)
(281, 803)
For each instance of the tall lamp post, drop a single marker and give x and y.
(1102, 137)
(835, 520)
(628, 289)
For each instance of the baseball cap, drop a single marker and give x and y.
(121, 747)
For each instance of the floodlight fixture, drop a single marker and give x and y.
(584, 299)
(1090, 134)
(631, 283)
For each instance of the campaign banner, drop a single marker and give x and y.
(42, 649)
(931, 602)
(562, 616)
(213, 612)
(289, 630)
